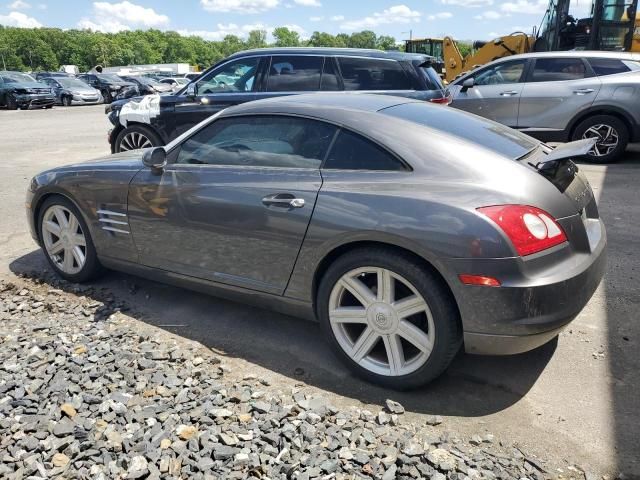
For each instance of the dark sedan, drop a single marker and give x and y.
(19, 90)
(406, 229)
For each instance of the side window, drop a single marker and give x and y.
(558, 69)
(373, 74)
(329, 80)
(608, 66)
(294, 73)
(235, 76)
(502, 73)
(260, 141)
(354, 152)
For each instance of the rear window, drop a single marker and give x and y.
(373, 74)
(351, 151)
(608, 66)
(433, 80)
(502, 140)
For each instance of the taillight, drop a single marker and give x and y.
(446, 100)
(530, 229)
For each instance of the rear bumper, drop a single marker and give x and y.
(527, 310)
(485, 344)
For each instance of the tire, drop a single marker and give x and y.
(136, 137)
(438, 325)
(11, 102)
(48, 107)
(50, 211)
(107, 97)
(66, 101)
(608, 129)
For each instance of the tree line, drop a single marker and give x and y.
(34, 49)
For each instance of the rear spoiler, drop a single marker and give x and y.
(577, 149)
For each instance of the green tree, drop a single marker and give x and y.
(385, 42)
(285, 37)
(257, 39)
(364, 39)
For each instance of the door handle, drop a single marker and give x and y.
(283, 200)
(510, 93)
(583, 91)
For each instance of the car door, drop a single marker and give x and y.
(234, 205)
(55, 86)
(495, 93)
(232, 83)
(556, 89)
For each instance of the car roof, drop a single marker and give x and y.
(576, 53)
(330, 106)
(346, 52)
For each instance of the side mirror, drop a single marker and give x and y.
(155, 158)
(467, 84)
(192, 90)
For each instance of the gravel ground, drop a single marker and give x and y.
(88, 392)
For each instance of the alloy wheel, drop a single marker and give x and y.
(134, 141)
(606, 139)
(64, 240)
(381, 321)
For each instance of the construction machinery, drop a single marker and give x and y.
(611, 25)
(427, 46)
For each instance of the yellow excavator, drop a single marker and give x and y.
(612, 25)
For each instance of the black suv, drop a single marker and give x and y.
(255, 74)
(109, 84)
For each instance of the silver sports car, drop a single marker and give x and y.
(407, 229)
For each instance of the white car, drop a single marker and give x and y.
(176, 82)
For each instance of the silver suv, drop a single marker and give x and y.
(560, 96)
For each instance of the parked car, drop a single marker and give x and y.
(147, 85)
(264, 73)
(42, 75)
(109, 84)
(19, 90)
(192, 76)
(73, 91)
(175, 82)
(405, 228)
(560, 96)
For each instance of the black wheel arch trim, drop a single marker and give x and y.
(41, 197)
(626, 117)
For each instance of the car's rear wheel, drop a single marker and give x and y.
(136, 137)
(611, 134)
(66, 241)
(388, 318)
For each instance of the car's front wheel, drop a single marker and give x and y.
(66, 101)
(136, 137)
(66, 240)
(12, 103)
(611, 134)
(389, 318)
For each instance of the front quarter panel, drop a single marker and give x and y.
(93, 188)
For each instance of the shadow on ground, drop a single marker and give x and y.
(473, 386)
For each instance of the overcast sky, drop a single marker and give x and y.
(213, 19)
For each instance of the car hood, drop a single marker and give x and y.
(30, 85)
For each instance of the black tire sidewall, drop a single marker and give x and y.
(619, 125)
(448, 334)
(66, 101)
(147, 132)
(92, 267)
(11, 102)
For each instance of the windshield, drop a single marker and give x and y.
(111, 78)
(502, 140)
(15, 77)
(71, 83)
